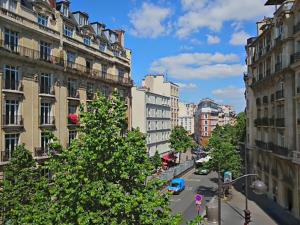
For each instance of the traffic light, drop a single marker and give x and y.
(247, 216)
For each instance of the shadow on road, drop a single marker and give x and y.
(206, 191)
(214, 179)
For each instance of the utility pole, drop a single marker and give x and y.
(219, 194)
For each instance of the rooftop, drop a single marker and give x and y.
(274, 2)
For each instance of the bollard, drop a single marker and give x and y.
(212, 211)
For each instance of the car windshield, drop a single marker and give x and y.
(174, 185)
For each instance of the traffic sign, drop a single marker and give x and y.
(198, 199)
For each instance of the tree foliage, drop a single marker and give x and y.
(222, 145)
(156, 160)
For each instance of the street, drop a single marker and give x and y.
(232, 211)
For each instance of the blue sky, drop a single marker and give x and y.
(199, 44)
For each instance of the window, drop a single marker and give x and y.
(206, 116)
(205, 122)
(11, 76)
(68, 31)
(90, 91)
(72, 88)
(12, 112)
(72, 135)
(43, 20)
(11, 142)
(88, 66)
(102, 47)
(65, 10)
(87, 40)
(45, 51)
(45, 83)
(46, 117)
(72, 109)
(121, 73)
(104, 70)
(10, 5)
(71, 59)
(82, 20)
(44, 142)
(11, 40)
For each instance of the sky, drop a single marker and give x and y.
(198, 44)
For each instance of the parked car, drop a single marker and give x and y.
(177, 185)
(202, 171)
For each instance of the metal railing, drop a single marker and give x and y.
(5, 156)
(279, 94)
(90, 95)
(12, 120)
(280, 122)
(47, 120)
(176, 171)
(49, 90)
(295, 57)
(15, 85)
(279, 150)
(73, 93)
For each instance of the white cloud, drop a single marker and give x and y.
(187, 86)
(199, 66)
(213, 39)
(213, 13)
(239, 38)
(231, 95)
(186, 48)
(150, 21)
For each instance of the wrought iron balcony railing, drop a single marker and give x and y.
(12, 120)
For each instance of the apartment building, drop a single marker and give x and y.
(159, 84)
(227, 115)
(151, 113)
(186, 115)
(206, 120)
(52, 60)
(273, 104)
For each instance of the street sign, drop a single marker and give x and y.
(198, 199)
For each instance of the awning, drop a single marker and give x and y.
(168, 157)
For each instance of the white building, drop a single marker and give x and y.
(158, 84)
(186, 116)
(151, 113)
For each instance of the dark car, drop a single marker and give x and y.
(202, 171)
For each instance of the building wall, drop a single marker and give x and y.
(151, 112)
(186, 116)
(26, 58)
(272, 97)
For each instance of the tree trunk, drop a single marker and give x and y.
(179, 158)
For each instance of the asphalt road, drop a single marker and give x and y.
(184, 203)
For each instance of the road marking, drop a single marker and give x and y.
(175, 200)
(189, 188)
(193, 180)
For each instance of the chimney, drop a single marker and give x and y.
(52, 3)
(121, 35)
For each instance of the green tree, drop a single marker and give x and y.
(101, 178)
(23, 195)
(180, 140)
(156, 160)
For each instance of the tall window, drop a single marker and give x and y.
(46, 117)
(87, 40)
(45, 83)
(71, 59)
(72, 109)
(72, 135)
(44, 142)
(82, 20)
(45, 51)
(11, 76)
(11, 142)
(11, 40)
(11, 112)
(102, 47)
(72, 88)
(43, 20)
(65, 10)
(88, 65)
(68, 31)
(104, 70)
(10, 5)
(90, 91)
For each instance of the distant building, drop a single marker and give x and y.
(158, 84)
(208, 115)
(151, 113)
(186, 115)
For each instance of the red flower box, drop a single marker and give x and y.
(73, 118)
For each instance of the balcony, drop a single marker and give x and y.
(261, 145)
(279, 94)
(280, 122)
(12, 121)
(90, 95)
(295, 57)
(12, 85)
(73, 120)
(47, 121)
(47, 90)
(282, 151)
(261, 122)
(4, 157)
(278, 67)
(45, 152)
(73, 93)
(271, 121)
(296, 157)
(30, 53)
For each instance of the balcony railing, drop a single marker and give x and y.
(31, 53)
(45, 152)
(279, 150)
(4, 156)
(48, 90)
(296, 156)
(15, 85)
(90, 95)
(47, 120)
(261, 144)
(271, 121)
(280, 122)
(295, 57)
(261, 122)
(73, 93)
(278, 67)
(12, 120)
(279, 94)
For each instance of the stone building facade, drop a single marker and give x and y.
(186, 115)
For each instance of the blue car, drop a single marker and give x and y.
(177, 185)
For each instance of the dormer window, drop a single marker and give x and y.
(68, 31)
(65, 10)
(102, 47)
(82, 20)
(43, 20)
(10, 5)
(87, 40)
